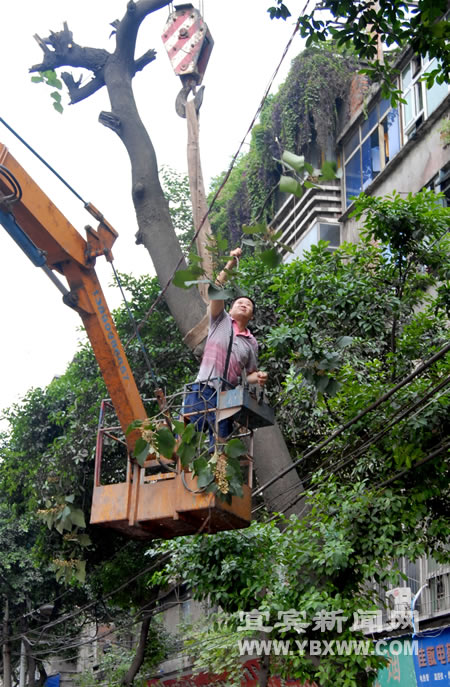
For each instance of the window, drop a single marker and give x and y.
(420, 100)
(441, 184)
(330, 233)
(366, 153)
(320, 231)
(439, 587)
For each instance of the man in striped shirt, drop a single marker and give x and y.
(229, 350)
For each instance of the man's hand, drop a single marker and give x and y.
(261, 377)
(257, 377)
(236, 253)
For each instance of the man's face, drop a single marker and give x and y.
(242, 308)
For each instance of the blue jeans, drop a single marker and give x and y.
(199, 399)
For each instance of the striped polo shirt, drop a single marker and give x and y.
(244, 352)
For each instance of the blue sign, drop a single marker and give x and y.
(52, 681)
(432, 658)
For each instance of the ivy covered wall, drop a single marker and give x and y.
(301, 117)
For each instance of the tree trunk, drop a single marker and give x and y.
(264, 667)
(31, 666)
(42, 675)
(271, 457)
(6, 648)
(156, 230)
(132, 671)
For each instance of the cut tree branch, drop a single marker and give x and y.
(78, 93)
(63, 52)
(144, 60)
(110, 120)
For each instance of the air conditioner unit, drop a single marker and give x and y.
(399, 598)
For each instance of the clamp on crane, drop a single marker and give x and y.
(189, 43)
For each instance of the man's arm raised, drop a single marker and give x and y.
(216, 307)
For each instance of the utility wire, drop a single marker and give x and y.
(90, 604)
(67, 591)
(129, 622)
(361, 449)
(438, 450)
(406, 380)
(44, 162)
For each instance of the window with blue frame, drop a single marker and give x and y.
(366, 153)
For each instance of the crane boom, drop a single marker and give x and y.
(69, 254)
(145, 504)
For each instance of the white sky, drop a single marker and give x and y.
(39, 333)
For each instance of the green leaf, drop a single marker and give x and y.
(328, 171)
(234, 471)
(80, 571)
(344, 341)
(290, 185)
(297, 162)
(333, 387)
(188, 433)
(218, 294)
(199, 464)
(37, 79)
(254, 229)
(235, 448)
(180, 278)
(141, 450)
(322, 382)
(205, 477)
(77, 517)
(186, 452)
(178, 426)
(166, 442)
(271, 257)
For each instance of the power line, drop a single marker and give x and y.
(399, 416)
(406, 380)
(44, 162)
(73, 614)
(439, 449)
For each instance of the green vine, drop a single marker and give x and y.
(303, 117)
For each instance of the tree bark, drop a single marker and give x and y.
(138, 659)
(31, 666)
(264, 668)
(6, 647)
(272, 456)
